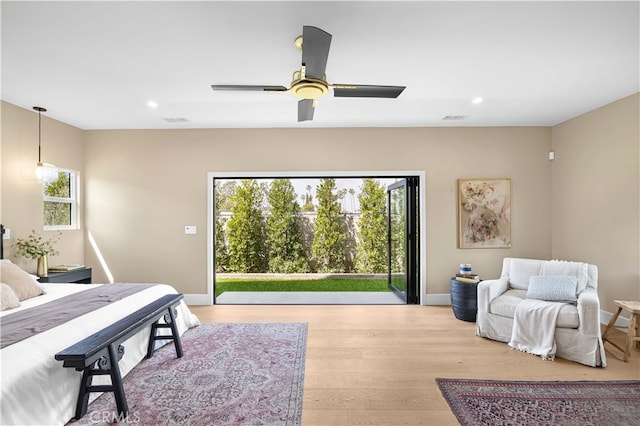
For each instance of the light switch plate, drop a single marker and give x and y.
(191, 229)
(7, 234)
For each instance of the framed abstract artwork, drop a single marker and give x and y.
(484, 213)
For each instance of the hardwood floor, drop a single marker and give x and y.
(376, 365)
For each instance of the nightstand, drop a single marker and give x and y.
(78, 276)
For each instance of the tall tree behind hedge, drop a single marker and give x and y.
(307, 198)
(371, 251)
(225, 188)
(221, 253)
(245, 229)
(397, 219)
(328, 248)
(284, 242)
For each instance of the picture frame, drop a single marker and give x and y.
(484, 213)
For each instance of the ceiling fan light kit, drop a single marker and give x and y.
(310, 82)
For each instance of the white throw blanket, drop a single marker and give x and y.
(534, 326)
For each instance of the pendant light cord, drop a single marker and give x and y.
(39, 136)
(40, 111)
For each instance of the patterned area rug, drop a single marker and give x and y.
(230, 374)
(491, 402)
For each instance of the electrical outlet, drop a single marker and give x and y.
(7, 234)
(190, 229)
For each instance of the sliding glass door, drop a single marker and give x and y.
(402, 236)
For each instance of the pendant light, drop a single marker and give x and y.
(39, 166)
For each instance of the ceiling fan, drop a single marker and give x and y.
(310, 83)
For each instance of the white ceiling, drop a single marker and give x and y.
(95, 65)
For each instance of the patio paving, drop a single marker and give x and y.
(308, 298)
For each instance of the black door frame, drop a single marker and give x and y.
(411, 295)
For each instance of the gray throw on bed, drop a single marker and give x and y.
(49, 315)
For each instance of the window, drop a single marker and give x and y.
(59, 188)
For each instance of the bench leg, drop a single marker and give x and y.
(116, 382)
(151, 348)
(631, 334)
(175, 335)
(83, 396)
(105, 366)
(612, 321)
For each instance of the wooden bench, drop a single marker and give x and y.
(99, 353)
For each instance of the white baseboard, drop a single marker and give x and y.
(197, 299)
(436, 299)
(605, 317)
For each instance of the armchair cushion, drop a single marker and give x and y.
(505, 306)
(553, 288)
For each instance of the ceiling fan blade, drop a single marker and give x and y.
(364, 91)
(239, 87)
(315, 51)
(305, 110)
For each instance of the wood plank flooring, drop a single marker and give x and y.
(377, 365)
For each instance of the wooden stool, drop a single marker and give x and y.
(632, 332)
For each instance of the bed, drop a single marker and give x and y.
(36, 389)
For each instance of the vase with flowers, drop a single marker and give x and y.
(36, 247)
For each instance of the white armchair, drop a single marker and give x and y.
(577, 333)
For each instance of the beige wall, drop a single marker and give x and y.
(596, 196)
(21, 201)
(144, 186)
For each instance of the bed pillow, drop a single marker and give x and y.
(22, 284)
(8, 299)
(553, 288)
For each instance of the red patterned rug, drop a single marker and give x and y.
(230, 374)
(492, 402)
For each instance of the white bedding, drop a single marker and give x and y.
(36, 389)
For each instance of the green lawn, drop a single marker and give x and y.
(321, 284)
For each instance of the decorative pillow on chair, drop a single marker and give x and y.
(22, 284)
(8, 299)
(553, 288)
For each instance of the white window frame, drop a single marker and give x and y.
(72, 199)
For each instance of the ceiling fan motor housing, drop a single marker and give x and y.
(309, 88)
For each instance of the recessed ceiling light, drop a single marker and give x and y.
(477, 100)
(152, 104)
